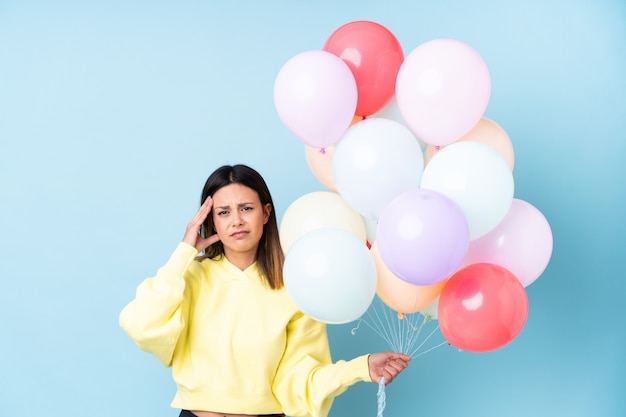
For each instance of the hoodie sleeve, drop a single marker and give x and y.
(155, 318)
(307, 381)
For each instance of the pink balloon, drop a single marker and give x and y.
(442, 90)
(520, 243)
(374, 55)
(422, 236)
(315, 95)
(482, 308)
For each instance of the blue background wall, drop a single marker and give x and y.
(113, 113)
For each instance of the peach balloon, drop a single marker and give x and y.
(485, 131)
(400, 295)
(320, 161)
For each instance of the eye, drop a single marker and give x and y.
(222, 212)
(247, 208)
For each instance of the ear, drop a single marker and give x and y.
(267, 209)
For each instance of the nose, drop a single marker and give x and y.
(237, 219)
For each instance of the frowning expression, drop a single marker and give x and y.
(239, 217)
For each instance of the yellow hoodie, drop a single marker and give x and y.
(234, 344)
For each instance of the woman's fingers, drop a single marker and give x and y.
(192, 233)
(387, 365)
(393, 369)
(202, 244)
(203, 212)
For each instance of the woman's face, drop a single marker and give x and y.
(239, 217)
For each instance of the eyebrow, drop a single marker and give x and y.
(238, 205)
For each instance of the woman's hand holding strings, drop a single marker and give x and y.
(387, 364)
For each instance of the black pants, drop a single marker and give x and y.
(187, 413)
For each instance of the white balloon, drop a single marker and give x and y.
(317, 210)
(375, 161)
(392, 111)
(477, 178)
(330, 275)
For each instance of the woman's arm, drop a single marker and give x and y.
(156, 317)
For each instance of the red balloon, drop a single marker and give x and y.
(374, 55)
(482, 307)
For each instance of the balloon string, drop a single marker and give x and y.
(424, 341)
(428, 350)
(402, 333)
(381, 396)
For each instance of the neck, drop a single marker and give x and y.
(240, 260)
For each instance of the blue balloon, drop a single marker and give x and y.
(330, 275)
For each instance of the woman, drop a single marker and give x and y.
(223, 321)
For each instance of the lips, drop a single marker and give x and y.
(239, 234)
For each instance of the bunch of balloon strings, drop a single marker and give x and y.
(413, 334)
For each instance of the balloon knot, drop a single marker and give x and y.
(323, 151)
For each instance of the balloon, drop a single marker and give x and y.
(376, 160)
(319, 161)
(485, 131)
(430, 311)
(370, 228)
(330, 276)
(482, 307)
(392, 112)
(374, 55)
(317, 210)
(315, 96)
(442, 89)
(477, 178)
(422, 236)
(398, 294)
(521, 243)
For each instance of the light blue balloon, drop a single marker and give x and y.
(330, 275)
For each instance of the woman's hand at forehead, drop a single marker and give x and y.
(192, 233)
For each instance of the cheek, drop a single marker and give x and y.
(217, 225)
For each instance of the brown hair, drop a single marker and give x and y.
(269, 255)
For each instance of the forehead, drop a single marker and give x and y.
(235, 194)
